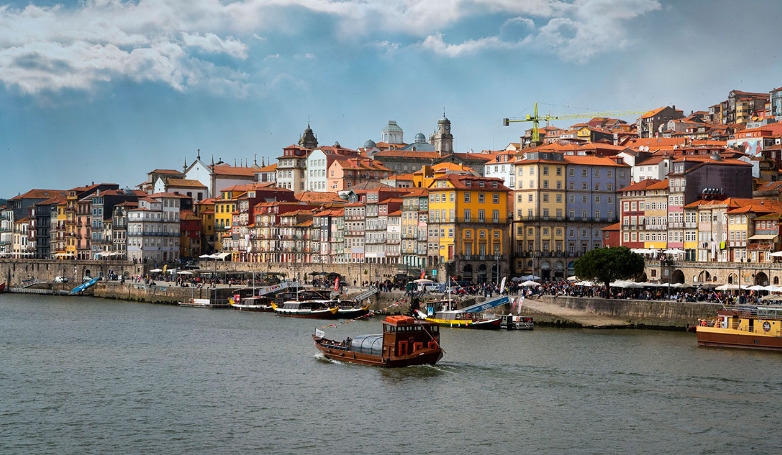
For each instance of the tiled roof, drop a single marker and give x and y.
(640, 186)
(185, 183)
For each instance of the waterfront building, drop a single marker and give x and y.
(414, 224)
(102, 212)
(633, 211)
(467, 225)
(46, 226)
(355, 226)
(696, 177)
(19, 207)
(119, 227)
(189, 235)
(157, 178)
(153, 229)
(193, 189)
(206, 211)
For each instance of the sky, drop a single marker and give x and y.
(109, 90)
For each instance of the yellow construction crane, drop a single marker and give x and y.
(535, 119)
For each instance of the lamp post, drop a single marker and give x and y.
(666, 262)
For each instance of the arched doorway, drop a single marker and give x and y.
(481, 275)
(677, 277)
(545, 271)
(761, 279)
(704, 276)
(467, 273)
(559, 270)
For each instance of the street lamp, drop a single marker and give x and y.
(666, 262)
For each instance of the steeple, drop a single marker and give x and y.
(442, 139)
(308, 139)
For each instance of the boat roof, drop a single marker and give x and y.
(400, 320)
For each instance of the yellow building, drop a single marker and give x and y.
(468, 221)
(206, 211)
(539, 207)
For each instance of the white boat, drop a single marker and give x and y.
(202, 303)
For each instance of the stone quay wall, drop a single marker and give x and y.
(641, 313)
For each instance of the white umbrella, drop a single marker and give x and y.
(585, 283)
(422, 280)
(155, 271)
(776, 254)
(572, 278)
(529, 283)
(729, 287)
(184, 272)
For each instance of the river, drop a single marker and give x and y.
(81, 375)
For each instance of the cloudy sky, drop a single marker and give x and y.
(108, 90)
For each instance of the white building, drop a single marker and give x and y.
(153, 229)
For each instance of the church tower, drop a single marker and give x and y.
(442, 139)
(308, 139)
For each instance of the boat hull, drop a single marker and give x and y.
(719, 337)
(350, 313)
(426, 356)
(330, 313)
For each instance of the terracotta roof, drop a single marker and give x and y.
(227, 170)
(38, 194)
(640, 186)
(185, 183)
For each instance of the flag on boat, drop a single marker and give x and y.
(423, 273)
(320, 333)
(336, 284)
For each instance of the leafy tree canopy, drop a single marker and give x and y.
(604, 265)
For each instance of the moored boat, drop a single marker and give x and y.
(751, 327)
(352, 311)
(405, 341)
(313, 309)
(202, 303)
(461, 319)
(246, 300)
(2, 287)
(512, 322)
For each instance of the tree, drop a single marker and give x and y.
(604, 265)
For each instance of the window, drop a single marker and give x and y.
(495, 198)
(481, 198)
(466, 197)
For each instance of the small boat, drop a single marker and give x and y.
(512, 322)
(2, 287)
(202, 303)
(461, 319)
(313, 309)
(352, 311)
(750, 327)
(405, 341)
(245, 300)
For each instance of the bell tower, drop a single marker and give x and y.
(442, 139)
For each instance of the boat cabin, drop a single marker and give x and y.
(403, 335)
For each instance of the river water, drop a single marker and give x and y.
(80, 375)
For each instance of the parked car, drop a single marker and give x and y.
(60, 279)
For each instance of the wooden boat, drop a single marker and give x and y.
(2, 287)
(313, 309)
(352, 311)
(405, 341)
(461, 319)
(512, 322)
(751, 327)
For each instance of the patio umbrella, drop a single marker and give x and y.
(155, 270)
(185, 272)
(530, 283)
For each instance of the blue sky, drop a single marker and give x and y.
(108, 90)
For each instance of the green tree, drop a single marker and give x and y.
(604, 265)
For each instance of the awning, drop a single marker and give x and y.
(763, 237)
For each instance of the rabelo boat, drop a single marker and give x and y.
(405, 341)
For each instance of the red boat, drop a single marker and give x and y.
(405, 341)
(2, 287)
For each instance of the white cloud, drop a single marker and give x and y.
(47, 49)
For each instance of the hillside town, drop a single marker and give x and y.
(680, 188)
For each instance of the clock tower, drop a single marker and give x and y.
(442, 139)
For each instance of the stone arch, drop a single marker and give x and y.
(481, 275)
(761, 279)
(704, 276)
(467, 272)
(545, 270)
(677, 277)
